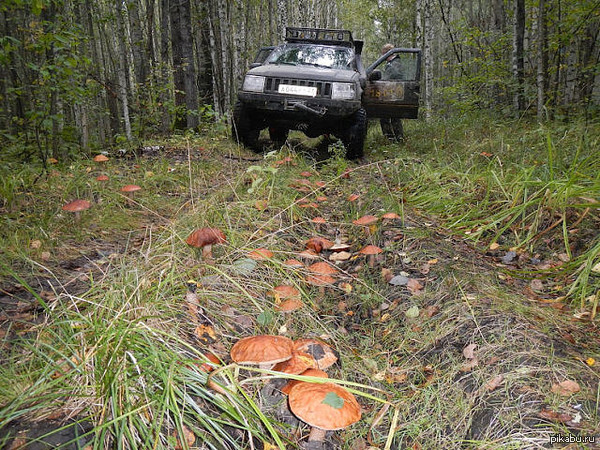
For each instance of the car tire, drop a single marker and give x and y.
(278, 135)
(243, 128)
(356, 132)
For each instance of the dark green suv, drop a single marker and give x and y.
(316, 83)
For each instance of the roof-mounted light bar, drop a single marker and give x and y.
(319, 35)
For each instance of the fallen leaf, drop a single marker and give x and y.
(188, 436)
(566, 388)
(353, 197)
(596, 268)
(45, 256)
(261, 205)
(433, 261)
(486, 154)
(412, 312)
(35, 244)
(432, 310)
(590, 361)
(554, 416)
(494, 246)
(536, 285)
(425, 269)
(205, 333)
(414, 286)
(494, 383)
(469, 351)
(386, 274)
(399, 280)
(469, 365)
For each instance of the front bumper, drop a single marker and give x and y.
(310, 108)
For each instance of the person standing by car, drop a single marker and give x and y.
(392, 127)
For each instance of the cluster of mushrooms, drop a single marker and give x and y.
(324, 406)
(79, 205)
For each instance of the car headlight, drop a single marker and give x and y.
(253, 83)
(342, 91)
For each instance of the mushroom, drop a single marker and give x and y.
(298, 363)
(102, 178)
(100, 158)
(191, 300)
(293, 263)
(318, 243)
(260, 254)
(264, 350)
(205, 238)
(324, 406)
(317, 373)
(371, 251)
(390, 216)
(318, 221)
(129, 190)
(323, 353)
(321, 275)
(76, 206)
(366, 222)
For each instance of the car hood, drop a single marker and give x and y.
(305, 73)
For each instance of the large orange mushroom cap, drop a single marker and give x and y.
(365, 220)
(130, 188)
(206, 236)
(322, 268)
(323, 353)
(260, 254)
(371, 250)
(317, 373)
(100, 158)
(77, 206)
(326, 406)
(264, 350)
(298, 363)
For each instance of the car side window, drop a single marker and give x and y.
(399, 66)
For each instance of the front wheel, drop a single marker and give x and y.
(278, 135)
(243, 128)
(355, 134)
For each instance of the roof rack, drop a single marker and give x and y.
(319, 36)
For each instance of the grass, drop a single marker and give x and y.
(95, 327)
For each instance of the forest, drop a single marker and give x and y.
(438, 291)
(81, 75)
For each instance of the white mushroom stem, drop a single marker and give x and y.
(371, 261)
(316, 435)
(207, 252)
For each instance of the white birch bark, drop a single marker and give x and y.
(428, 57)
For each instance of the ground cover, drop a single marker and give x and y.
(472, 328)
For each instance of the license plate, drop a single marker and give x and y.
(307, 91)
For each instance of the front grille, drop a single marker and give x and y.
(323, 88)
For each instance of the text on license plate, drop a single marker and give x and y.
(308, 91)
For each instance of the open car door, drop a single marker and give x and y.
(392, 89)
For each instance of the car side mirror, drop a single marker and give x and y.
(254, 65)
(375, 75)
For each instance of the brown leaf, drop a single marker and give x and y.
(386, 274)
(188, 436)
(554, 416)
(494, 383)
(536, 285)
(261, 205)
(432, 310)
(566, 388)
(414, 286)
(470, 365)
(205, 333)
(469, 351)
(425, 269)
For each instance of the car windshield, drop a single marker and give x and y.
(330, 57)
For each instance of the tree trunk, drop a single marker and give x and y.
(428, 57)
(140, 64)
(165, 65)
(518, 69)
(119, 45)
(542, 60)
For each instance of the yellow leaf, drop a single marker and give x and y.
(494, 246)
(590, 361)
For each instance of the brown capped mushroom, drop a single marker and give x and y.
(205, 238)
(129, 190)
(371, 251)
(324, 406)
(366, 222)
(264, 350)
(76, 206)
(317, 373)
(100, 158)
(260, 254)
(323, 353)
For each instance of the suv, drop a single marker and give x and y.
(316, 83)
